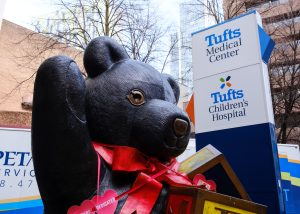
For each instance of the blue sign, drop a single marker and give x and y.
(289, 159)
(233, 106)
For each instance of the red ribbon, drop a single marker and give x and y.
(147, 187)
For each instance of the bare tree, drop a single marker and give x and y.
(285, 73)
(25, 55)
(134, 25)
(144, 36)
(202, 9)
(219, 10)
(79, 21)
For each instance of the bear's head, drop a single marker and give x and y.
(129, 103)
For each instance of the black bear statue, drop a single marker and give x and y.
(122, 102)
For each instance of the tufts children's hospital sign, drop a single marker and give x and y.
(233, 107)
(227, 104)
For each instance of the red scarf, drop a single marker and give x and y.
(147, 186)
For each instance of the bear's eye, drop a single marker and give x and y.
(136, 97)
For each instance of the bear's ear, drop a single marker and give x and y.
(174, 85)
(100, 54)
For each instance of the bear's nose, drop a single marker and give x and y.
(180, 127)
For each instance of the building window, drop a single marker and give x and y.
(281, 17)
(253, 4)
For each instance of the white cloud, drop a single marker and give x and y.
(169, 9)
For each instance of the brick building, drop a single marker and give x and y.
(21, 53)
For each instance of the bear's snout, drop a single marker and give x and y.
(180, 127)
(161, 129)
(178, 136)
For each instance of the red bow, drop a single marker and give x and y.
(147, 187)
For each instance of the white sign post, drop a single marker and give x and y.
(233, 107)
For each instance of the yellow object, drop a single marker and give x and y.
(20, 199)
(195, 161)
(216, 208)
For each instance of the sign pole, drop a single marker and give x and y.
(233, 106)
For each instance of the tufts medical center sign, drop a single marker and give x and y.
(233, 106)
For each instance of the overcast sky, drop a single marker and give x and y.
(23, 12)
